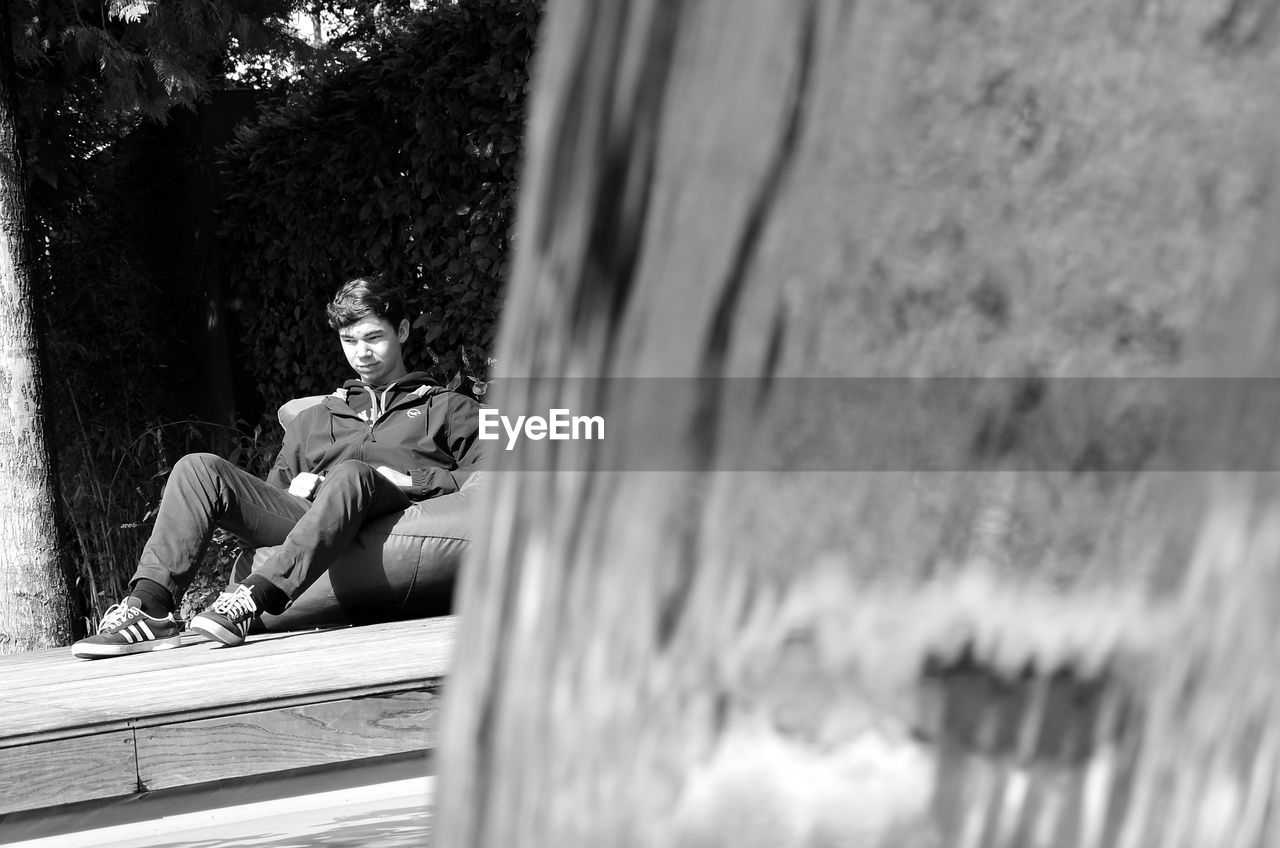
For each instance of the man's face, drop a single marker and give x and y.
(372, 346)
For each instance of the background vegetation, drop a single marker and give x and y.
(389, 148)
(402, 165)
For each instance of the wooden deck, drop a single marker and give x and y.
(77, 730)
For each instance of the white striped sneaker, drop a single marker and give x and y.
(228, 619)
(126, 629)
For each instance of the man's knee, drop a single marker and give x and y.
(351, 472)
(201, 465)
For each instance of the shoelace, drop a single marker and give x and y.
(235, 605)
(116, 615)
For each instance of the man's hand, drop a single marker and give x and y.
(305, 485)
(403, 481)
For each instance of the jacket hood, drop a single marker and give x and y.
(359, 395)
(408, 382)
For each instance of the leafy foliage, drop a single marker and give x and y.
(89, 71)
(348, 33)
(404, 166)
(104, 60)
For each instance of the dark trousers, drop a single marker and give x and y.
(206, 492)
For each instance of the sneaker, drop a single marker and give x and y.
(126, 629)
(228, 618)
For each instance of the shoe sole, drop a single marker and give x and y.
(216, 632)
(90, 652)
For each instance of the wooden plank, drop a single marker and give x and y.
(274, 740)
(58, 666)
(38, 669)
(230, 686)
(292, 668)
(88, 723)
(15, 714)
(67, 770)
(59, 825)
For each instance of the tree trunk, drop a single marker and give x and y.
(317, 26)
(35, 604)
(885, 299)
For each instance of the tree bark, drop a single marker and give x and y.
(950, 535)
(35, 604)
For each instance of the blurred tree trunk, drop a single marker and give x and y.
(845, 607)
(317, 25)
(35, 604)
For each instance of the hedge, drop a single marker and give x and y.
(404, 166)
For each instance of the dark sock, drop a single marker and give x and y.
(157, 601)
(266, 594)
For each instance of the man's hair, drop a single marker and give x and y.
(362, 297)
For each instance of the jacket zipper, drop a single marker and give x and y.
(377, 409)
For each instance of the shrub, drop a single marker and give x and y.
(403, 166)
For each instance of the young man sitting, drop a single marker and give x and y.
(373, 447)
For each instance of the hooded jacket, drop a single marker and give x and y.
(411, 425)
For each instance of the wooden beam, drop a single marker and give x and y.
(275, 740)
(67, 770)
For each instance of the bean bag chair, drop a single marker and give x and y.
(400, 566)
